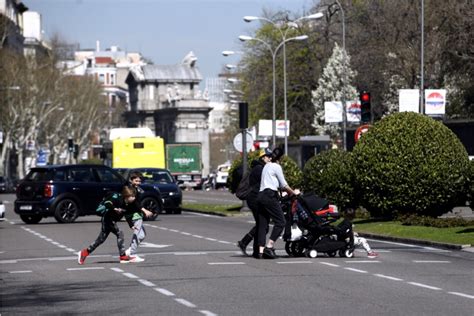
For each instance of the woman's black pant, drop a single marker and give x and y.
(270, 208)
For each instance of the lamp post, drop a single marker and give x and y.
(343, 97)
(422, 79)
(283, 35)
(273, 52)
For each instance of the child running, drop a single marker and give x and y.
(116, 205)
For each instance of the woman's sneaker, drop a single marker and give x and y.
(82, 255)
(136, 259)
(372, 255)
(125, 259)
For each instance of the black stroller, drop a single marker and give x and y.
(312, 217)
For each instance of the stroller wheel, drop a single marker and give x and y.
(288, 245)
(312, 253)
(348, 253)
(297, 249)
(332, 254)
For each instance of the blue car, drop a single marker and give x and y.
(69, 191)
(164, 181)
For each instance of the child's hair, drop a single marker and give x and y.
(349, 213)
(128, 192)
(135, 175)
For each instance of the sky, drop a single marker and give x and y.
(163, 31)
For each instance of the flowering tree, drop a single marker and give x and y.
(330, 86)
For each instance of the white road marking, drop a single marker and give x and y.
(130, 275)
(150, 245)
(116, 270)
(204, 215)
(330, 264)
(184, 302)
(462, 294)
(210, 239)
(363, 261)
(291, 262)
(185, 233)
(431, 261)
(388, 277)
(356, 270)
(425, 286)
(174, 230)
(146, 282)
(197, 236)
(85, 268)
(224, 263)
(197, 253)
(20, 271)
(164, 291)
(224, 242)
(207, 313)
(8, 261)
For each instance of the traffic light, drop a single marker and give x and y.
(70, 145)
(243, 115)
(365, 108)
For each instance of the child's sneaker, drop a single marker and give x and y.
(125, 259)
(82, 255)
(136, 259)
(372, 255)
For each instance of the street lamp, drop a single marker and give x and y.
(344, 110)
(293, 24)
(273, 52)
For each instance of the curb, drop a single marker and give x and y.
(468, 248)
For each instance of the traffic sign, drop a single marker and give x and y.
(238, 141)
(359, 131)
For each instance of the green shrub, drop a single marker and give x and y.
(93, 161)
(292, 172)
(328, 174)
(415, 220)
(470, 184)
(410, 163)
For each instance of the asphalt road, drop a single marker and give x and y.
(192, 268)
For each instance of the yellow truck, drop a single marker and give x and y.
(138, 152)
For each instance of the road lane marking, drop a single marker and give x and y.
(146, 282)
(20, 271)
(224, 263)
(431, 261)
(117, 270)
(85, 268)
(184, 302)
(210, 239)
(130, 275)
(197, 236)
(330, 264)
(425, 286)
(363, 261)
(207, 313)
(388, 277)
(462, 294)
(355, 270)
(164, 291)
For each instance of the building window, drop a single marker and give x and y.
(112, 79)
(151, 89)
(101, 78)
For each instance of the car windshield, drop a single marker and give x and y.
(156, 176)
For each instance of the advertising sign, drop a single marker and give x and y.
(281, 127)
(41, 158)
(333, 111)
(183, 158)
(409, 100)
(435, 101)
(265, 128)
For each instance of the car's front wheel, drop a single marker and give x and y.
(66, 211)
(31, 219)
(151, 204)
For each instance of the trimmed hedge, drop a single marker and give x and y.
(328, 174)
(410, 163)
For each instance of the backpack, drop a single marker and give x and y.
(108, 200)
(244, 187)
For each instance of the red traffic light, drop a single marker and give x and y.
(365, 97)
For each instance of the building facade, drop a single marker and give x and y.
(167, 99)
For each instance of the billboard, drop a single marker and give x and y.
(333, 111)
(409, 100)
(435, 101)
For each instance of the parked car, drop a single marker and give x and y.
(221, 175)
(2, 211)
(69, 191)
(164, 181)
